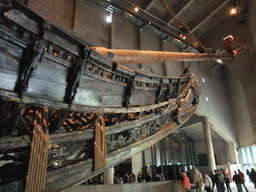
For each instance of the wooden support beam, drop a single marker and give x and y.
(181, 11)
(147, 5)
(14, 142)
(206, 14)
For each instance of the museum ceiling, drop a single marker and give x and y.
(198, 15)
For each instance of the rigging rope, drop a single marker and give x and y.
(100, 144)
(36, 176)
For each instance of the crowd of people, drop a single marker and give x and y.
(218, 179)
(131, 178)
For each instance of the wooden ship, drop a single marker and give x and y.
(69, 111)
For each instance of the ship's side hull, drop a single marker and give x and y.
(70, 111)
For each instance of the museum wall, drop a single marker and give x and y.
(220, 151)
(243, 69)
(218, 108)
(86, 21)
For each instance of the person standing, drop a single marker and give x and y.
(148, 177)
(238, 181)
(243, 179)
(227, 182)
(207, 183)
(130, 178)
(185, 181)
(219, 181)
(221, 177)
(253, 177)
(126, 178)
(198, 180)
(139, 177)
(211, 175)
(248, 173)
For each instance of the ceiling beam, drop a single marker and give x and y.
(146, 5)
(206, 14)
(181, 10)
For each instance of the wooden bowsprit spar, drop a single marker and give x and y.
(138, 56)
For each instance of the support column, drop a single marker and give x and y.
(208, 143)
(109, 176)
(137, 164)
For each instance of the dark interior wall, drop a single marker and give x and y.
(125, 34)
(90, 24)
(58, 12)
(82, 19)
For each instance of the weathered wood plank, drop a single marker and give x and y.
(56, 138)
(60, 179)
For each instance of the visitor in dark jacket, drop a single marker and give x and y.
(139, 177)
(253, 177)
(227, 182)
(126, 178)
(219, 182)
(238, 181)
(211, 175)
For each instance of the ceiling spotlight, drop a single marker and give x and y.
(184, 37)
(109, 18)
(136, 9)
(233, 11)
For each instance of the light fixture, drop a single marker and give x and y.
(203, 80)
(136, 9)
(234, 7)
(109, 18)
(183, 36)
(219, 61)
(206, 98)
(233, 11)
